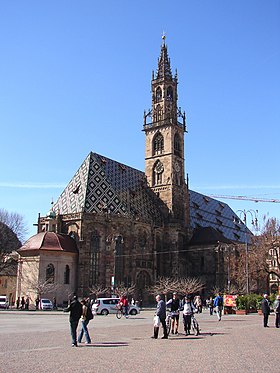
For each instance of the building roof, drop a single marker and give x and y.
(209, 212)
(48, 241)
(102, 184)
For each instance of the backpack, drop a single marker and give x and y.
(220, 302)
(89, 315)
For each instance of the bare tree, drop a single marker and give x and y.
(183, 286)
(8, 242)
(121, 289)
(98, 290)
(15, 222)
(42, 287)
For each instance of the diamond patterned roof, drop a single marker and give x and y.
(102, 184)
(209, 212)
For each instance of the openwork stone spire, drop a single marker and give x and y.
(164, 69)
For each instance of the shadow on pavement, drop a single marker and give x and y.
(108, 344)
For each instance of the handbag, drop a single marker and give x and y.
(156, 321)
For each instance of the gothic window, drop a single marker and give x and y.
(177, 145)
(67, 275)
(158, 94)
(169, 94)
(158, 173)
(94, 258)
(158, 144)
(50, 273)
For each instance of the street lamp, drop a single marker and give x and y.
(243, 216)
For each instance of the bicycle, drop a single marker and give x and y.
(120, 312)
(195, 326)
(168, 322)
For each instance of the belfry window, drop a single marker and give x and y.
(158, 144)
(158, 94)
(177, 145)
(169, 94)
(94, 258)
(50, 273)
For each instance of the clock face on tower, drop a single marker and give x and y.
(159, 168)
(176, 167)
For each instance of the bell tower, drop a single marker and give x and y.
(164, 127)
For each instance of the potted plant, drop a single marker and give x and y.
(241, 305)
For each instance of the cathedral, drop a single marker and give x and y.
(114, 224)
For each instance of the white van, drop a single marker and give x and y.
(4, 302)
(104, 306)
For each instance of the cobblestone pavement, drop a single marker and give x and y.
(40, 342)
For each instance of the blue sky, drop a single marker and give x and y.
(75, 77)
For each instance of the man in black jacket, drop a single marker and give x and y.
(265, 310)
(75, 309)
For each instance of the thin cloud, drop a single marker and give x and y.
(234, 187)
(23, 185)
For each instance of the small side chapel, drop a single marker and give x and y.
(128, 226)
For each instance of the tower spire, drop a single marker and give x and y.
(164, 69)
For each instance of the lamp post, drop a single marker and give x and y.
(243, 216)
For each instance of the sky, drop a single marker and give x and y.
(75, 77)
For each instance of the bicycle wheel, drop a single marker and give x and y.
(119, 314)
(168, 324)
(195, 327)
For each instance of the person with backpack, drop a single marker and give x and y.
(85, 319)
(218, 304)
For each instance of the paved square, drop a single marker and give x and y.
(40, 342)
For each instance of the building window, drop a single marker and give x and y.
(169, 94)
(158, 144)
(177, 144)
(67, 275)
(158, 94)
(50, 273)
(94, 258)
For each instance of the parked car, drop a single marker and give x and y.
(46, 304)
(4, 302)
(104, 306)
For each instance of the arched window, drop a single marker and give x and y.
(177, 144)
(94, 258)
(67, 275)
(50, 273)
(158, 173)
(158, 144)
(169, 94)
(158, 94)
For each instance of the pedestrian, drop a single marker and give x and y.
(218, 304)
(18, 302)
(265, 310)
(211, 305)
(37, 301)
(27, 302)
(277, 311)
(174, 304)
(188, 311)
(161, 314)
(54, 303)
(198, 303)
(75, 309)
(22, 303)
(86, 317)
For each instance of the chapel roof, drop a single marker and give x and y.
(48, 241)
